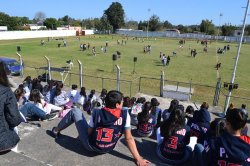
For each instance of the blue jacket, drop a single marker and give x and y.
(227, 149)
(9, 118)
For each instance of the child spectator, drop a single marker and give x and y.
(231, 147)
(61, 98)
(136, 109)
(21, 100)
(173, 136)
(166, 113)
(189, 112)
(73, 94)
(155, 112)
(103, 95)
(82, 97)
(49, 91)
(105, 128)
(200, 124)
(145, 125)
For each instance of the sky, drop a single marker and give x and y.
(185, 12)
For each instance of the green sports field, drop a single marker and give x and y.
(182, 68)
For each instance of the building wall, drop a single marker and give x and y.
(10, 35)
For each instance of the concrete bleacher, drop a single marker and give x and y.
(38, 148)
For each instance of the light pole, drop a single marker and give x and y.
(148, 22)
(236, 61)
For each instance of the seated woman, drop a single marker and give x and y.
(173, 136)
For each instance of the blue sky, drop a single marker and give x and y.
(186, 12)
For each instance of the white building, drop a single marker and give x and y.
(3, 28)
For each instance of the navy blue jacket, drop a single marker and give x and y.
(227, 150)
(173, 148)
(107, 130)
(9, 118)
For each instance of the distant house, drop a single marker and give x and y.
(35, 27)
(3, 28)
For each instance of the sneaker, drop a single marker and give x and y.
(54, 133)
(50, 116)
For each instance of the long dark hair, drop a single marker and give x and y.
(83, 92)
(175, 122)
(144, 116)
(59, 87)
(35, 96)
(3, 75)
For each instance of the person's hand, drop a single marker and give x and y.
(142, 162)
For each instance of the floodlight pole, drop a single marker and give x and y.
(21, 63)
(236, 60)
(80, 72)
(49, 71)
(118, 77)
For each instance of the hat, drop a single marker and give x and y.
(154, 102)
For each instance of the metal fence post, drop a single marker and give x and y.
(161, 83)
(80, 73)
(118, 78)
(48, 62)
(21, 63)
(217, 92)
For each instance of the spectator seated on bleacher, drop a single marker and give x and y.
(230, 147)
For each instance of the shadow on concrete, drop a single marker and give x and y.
(72, 144)
(120, 155)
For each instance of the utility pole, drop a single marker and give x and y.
(236, 61)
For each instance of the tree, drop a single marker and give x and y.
(142, 25)
(51, 23)
(207, 27)
(228, 30)
(154, 23)
(247, 29)
(10, 22)
(182, 28)
(167, 25)
(39, 17)
(104, 25)
(131, 24)
(115, 15)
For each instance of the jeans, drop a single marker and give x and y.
(30, 110)
(197, 159)
(76, 116)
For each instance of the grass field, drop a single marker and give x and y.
(182, 68)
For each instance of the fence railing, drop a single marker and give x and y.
(149, 85)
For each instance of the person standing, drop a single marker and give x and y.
(9, 114)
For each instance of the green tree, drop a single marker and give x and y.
(154, 23)
(115, 15)
(207, 27)
(167, 25)
(142, 25)
(131, 24)
(10, 22)
(182, 28)
(51, 23)
(228, 30)
(104, 25)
